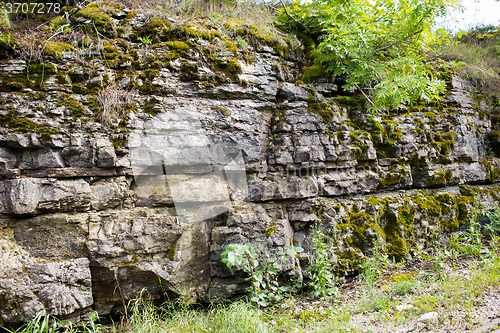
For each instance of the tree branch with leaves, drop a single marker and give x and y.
(383, 44)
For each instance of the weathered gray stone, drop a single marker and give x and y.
(22, 195)
(277, 189)
(29, 284)
(79, 156)
(46, 158)
(350, 181)
(63, 286)
(13, 67)
(77, 172)
(8, 159)
(291, 92)
(65, 195)
(15, 140)
(110, 193)
(28, 195)
(106, 157)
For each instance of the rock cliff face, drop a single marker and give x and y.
(87, 222)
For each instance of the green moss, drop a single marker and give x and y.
(373, 201)
(440, 178)
(396, 244)
(8, 45)
(270, 230)
(156, 65)
(76, 108)
(418, 122)
(430, 115)
(189, 72)
(56, 49)
(97, 18)
(494, 137)
(112, 54)
(221, 109)
(134, 260)
(149, 74)
(156, 26)
(464, 205)
(443, 142)
(359, 222)
(356, 135)
(350, 260)
(394, 176)
(427, 203)
(33, 77)
(312, 72)
(14, 84)
(177, 46)
(376, 126)
(351, 102)
(93, 105)
(467, 191)
(359, 142)
(445, 197)
(228, 66)
(45, 68)
(149, 106)
(492, 171)
(197, 32)
(25, 125)
(171, 253)
(321, 109)
(392, 130)
(229, 45)
(449, 210)
(118, 140)
(176, 49)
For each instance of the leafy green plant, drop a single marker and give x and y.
(375, 300)
(382, 47)
(242, 43)
(374, 265)
(322, 278)
(146, 40)
(469, 241)
(271, 138)
(493, 228)
(264, 288)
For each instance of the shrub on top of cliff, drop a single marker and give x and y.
(381, 47)
(479, 49)
(213, 13)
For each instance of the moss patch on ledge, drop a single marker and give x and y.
(397, 224)
(25, 125)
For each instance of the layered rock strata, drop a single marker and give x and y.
(90, 219)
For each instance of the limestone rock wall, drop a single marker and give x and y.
(81, 230)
